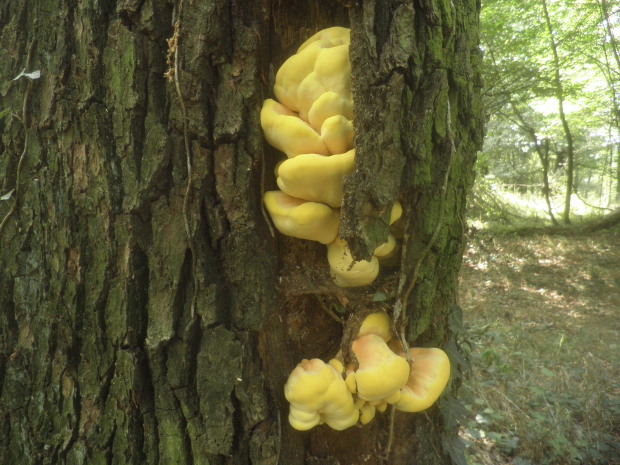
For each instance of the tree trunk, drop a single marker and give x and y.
(543, 155)
(611, 73)
(148, 315)
(559, 93)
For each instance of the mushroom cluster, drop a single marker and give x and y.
(342, 396)
(312, 124)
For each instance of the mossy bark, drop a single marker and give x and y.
(147, 314)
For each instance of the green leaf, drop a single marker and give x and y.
(379, 297)
(547, 372)
(8, 195)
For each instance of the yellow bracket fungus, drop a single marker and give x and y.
(287, 132)
(327, 105)
(316, 177)
(376, 323)
(347, 272)
(300, 218)
(429, 376)
(337, 134)
(312, 124)
(341, 397)
(381, 373)
(318, 394)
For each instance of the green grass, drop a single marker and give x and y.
(494, 206)
(542, 315)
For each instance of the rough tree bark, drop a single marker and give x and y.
(147, 314)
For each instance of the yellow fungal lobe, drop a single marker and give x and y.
(300, 218)
(381, 373)
(367, 413)
(387, 249)
(318, 394)
(337, 134)
(376, 323)
(337, 365)
(397, 212)
(328, 37)
(287, 132)
(429, 376)
(327, 105)
(316, 177)
(345, 271)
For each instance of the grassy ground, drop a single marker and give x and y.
(543, 316)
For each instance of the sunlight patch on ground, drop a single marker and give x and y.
(542, 317)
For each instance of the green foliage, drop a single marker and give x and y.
(522, 100)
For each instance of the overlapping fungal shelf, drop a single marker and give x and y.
(342, 396)
(311, 122)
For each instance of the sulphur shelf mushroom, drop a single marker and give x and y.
(347, 272)
(315, 177)
(287, 132)
(430, 372)
(318, 394)
(300, 218)
(377, 323)
(312, 124)
(381, 373)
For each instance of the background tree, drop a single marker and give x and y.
(148, 315)
(549, 82)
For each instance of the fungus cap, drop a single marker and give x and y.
(376, 323)
(292, 72)
(381, 373)
(316, 177)
(288, 133)
(328, 37)
(333, 66)
(429, 376)
(316, 389)
(327, 105)
(308, 91)
(367, 413)
(337, 134)
(396, 213)
(345, 271)
(302, 219)
(386, 249)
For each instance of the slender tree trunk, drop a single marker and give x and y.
(147, 313)
(543, 156)
(559, 92)
(618, 173)
(612, 77)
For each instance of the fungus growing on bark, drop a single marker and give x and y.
(300, 218)
(387, 249)
(321, 65)
(347, 272)
(287, 132)
(381, 373)
(377, 323)
(337, 134)
(312, 125)
(430, 372)
(340, 397)
(318, 394)
(316, 177)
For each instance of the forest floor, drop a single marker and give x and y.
(542, 315)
